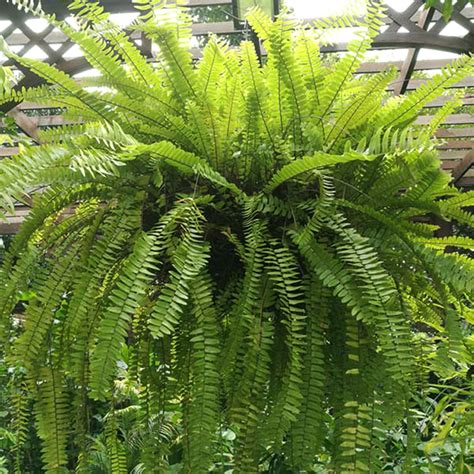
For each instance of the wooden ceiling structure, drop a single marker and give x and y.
(411, 30)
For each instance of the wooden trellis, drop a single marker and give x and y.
(413, 29)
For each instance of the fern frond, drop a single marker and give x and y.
(286, 69)
(49, 287)
(454, 269)
(64, 83)
(249, 395)
(100, 257)
(189, 259)
(310, 163)
(336, 81)
(260, 22)
(256, 95)
(240, 315)
(359, 108)
(115, 449)
(203, 415)
(175, 56)
(307, 432)
(282, 269)
(124, 300)
(398, 112)
(52, 419)
(308, 56)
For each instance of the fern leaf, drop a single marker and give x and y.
(115, 448)
(342, 73)
(124, 300)
(49, 287)
(189, 258)
(282, 269)
(52, 419)
(203, 413)
(247, 413)
(400, 112)
(307, 432)
(310, 163)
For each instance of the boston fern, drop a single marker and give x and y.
(250, 245)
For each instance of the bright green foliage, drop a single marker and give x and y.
(52, 419)
(242, 247)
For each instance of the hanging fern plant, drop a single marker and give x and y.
(245, 244)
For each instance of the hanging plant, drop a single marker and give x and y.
(247, 245)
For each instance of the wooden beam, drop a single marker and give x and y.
(25, 123)
(460, 170)
(466, 182)
(465, 132)
(408, 66)
(449, 164)
(452, 155)
(416, 83)
(8, 151)
(422, 65)
(12, 223)
(455, 119)
(452, 44)
(458, 7)
(440, 101)
(470, 173)
(463, 144)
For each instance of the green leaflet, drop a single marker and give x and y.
(341, 74)
(52, 419)
(49, 287)
(115, 448)
(83, 307)
(372, 309)
(204, 414)
(185, 162)
(189, 259)
(124, 300)
(308, 430)
(309, 163)
(244, 307)
(250, 395)
(396, 113)
(282, 270)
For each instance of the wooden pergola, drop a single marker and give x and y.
(413, 29)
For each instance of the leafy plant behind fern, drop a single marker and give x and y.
(254, 236)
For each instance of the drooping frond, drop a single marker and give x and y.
(52, 419)
(308, 430)
(203, 416)
(282, 270)
(124, 299)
